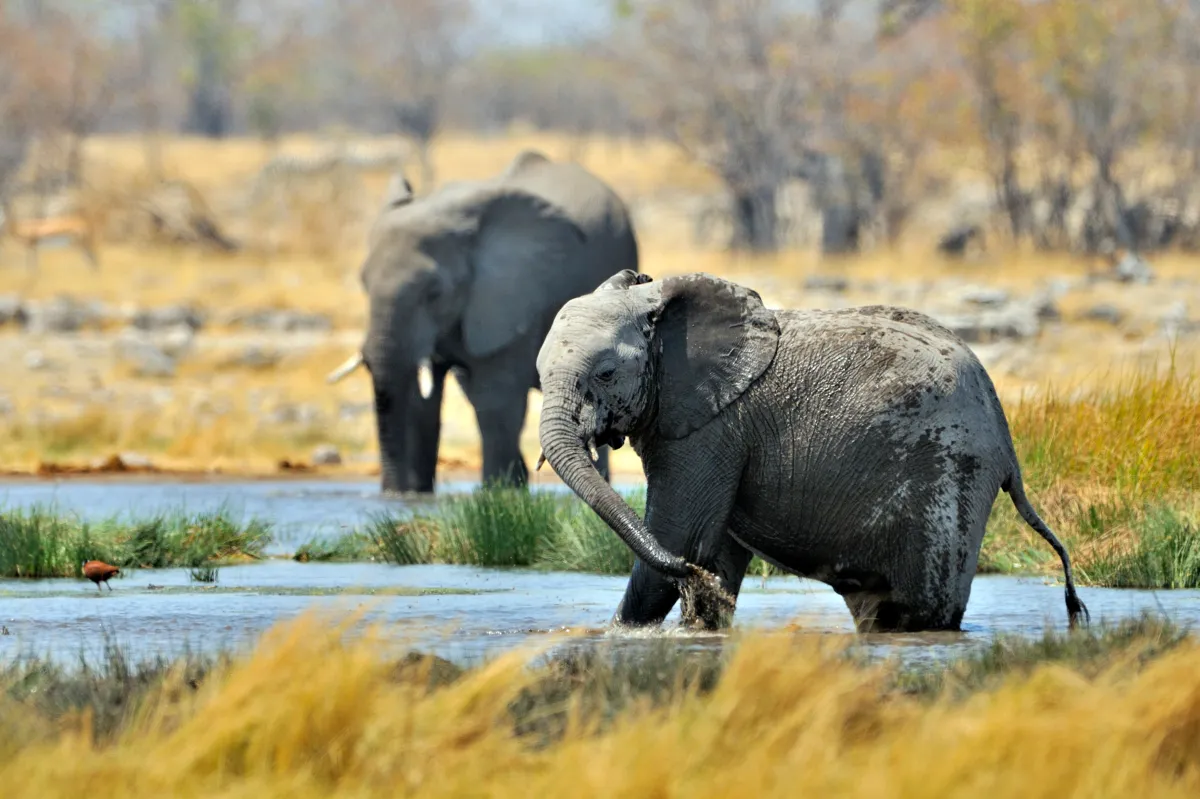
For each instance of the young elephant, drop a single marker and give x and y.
(861, 447)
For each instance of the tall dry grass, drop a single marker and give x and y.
(307, 714)
(1114, 467)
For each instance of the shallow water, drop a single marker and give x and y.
(459, 612)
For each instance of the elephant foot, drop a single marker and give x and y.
(704, 603)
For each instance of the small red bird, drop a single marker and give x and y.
(98, 572)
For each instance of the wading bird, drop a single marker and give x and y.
(98, 572)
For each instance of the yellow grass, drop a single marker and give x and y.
(306, 715)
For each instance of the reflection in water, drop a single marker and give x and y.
(482, 612)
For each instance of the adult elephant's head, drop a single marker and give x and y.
(647, 360)
(459, 263)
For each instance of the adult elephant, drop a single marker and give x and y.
(861, 447)
(469, 278)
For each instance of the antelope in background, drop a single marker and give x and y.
(74, 227)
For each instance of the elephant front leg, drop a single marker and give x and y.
(424, 432)
(649, 596)
(648, 599)
(708, 609)
(689, 499)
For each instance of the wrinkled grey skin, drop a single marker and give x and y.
(861, 447)
(471, 277)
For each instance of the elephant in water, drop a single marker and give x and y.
(861, 447)
(469, 278)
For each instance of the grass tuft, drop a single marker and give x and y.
(506, 527)
(1164, 554)
(352, 546)
(582, 541)
(402, 541)
(498, 526)
(40, 542)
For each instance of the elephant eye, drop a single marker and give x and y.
(605, 375)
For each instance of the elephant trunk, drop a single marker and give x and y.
(391, 413)
(566, 448)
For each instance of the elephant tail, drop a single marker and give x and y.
(1015, 488)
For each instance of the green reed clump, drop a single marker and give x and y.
(1165, 554)
(42, 542)
(504, 526)
(498, 526)
(583, 542)
(1113, 542)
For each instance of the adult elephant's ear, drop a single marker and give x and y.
(398, 192)
(519, 236)
(714, 338)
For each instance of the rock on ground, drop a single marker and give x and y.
(326, 455)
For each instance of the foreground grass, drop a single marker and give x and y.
(311, 713)
(40, 542)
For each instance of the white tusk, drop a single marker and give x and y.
(592, 449)
(425, 378)
(541, 460)
(352, 363)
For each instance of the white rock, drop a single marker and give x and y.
(326, 455)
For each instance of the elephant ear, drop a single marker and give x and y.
(398, 192)
(525, 160)
(623, 280)
(520, 238)
(715, 338)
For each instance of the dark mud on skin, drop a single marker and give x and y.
(462, 613)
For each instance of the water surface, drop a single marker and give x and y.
(465, 613)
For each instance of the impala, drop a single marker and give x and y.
(32, 232)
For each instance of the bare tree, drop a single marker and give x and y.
(989, 41)
(86, 89)
(731, 83)
(405, 54)
(1100, 62)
